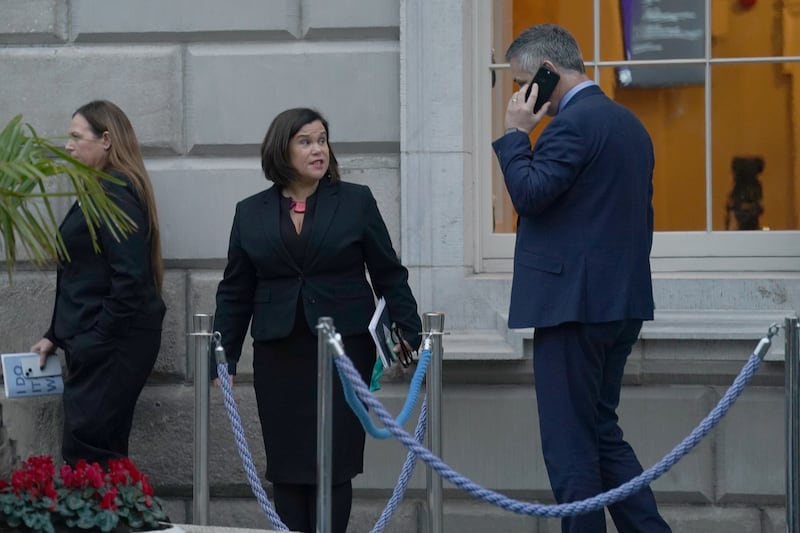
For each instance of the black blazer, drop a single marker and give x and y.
(263, 283)
(111, 290)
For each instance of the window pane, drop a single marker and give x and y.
(755, 31)
(573, 14)
(657, 30)
(754, 126)
(503, 215)
(662, 29)
(511, 17)
(675, 119)
(749, 108)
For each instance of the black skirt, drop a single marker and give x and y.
(285, 381)
(105, 377)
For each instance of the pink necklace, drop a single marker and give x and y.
(297, 207)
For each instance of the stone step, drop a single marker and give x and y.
(479, 344)
(669, 324)
(722, 324)
(193, 528)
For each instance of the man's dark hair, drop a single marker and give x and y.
(546, 42)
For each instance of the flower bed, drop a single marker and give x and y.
(84, 498)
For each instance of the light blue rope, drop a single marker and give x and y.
(565, 509)
(244, 451)
(405, 474)
(411, 400)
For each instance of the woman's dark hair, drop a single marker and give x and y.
(275, 148)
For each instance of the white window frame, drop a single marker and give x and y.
(679, 251)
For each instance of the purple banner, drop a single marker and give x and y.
(662, 29)
(627, 8)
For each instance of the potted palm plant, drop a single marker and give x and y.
(30, 166)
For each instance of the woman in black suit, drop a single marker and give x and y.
(108, 308)
(299, 251)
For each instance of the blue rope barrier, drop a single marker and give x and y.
(411, 400)
(565, 509)
(244, 451)
(405, 474)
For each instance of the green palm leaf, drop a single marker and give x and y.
(30, 167)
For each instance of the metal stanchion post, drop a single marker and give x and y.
(792, 385)
(201, 333)
(324, 423)
(434, 323)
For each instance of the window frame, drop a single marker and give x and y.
(673, 251)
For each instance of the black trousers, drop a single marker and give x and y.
(297, 506)
(578, 372)
(104, 379)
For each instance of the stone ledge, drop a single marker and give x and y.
(99, 20)
(498, 344)
(669, 324)
(478, 344)
(192, 528)
(33, 22)
(713, 324)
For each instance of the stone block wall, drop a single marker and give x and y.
(201, 81)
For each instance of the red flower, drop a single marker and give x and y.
(118, 472)
(50, 492)
(109, 499)
(87, 475)
(35, 477)
(119, 495)
(67, 475)
(125, 471)
(146, 488)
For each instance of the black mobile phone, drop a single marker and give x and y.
(547, 80)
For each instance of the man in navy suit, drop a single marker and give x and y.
(581, 269)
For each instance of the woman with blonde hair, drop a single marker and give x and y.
(108, 309)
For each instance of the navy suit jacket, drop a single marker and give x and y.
(262, 281)
(584, 199)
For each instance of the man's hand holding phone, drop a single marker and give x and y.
(520, 114)
(530, 104)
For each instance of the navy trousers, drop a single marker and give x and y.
(578, 372)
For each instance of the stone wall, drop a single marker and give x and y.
(200, 81)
